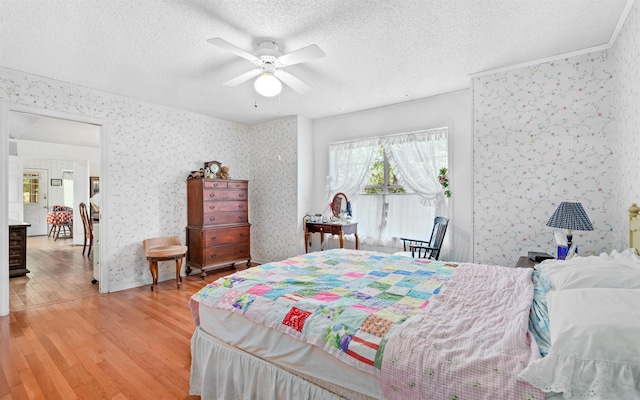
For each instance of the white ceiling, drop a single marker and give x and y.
(156, 50)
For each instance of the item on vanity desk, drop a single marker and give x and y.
(538, 256)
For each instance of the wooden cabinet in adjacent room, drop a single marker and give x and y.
(218, 230)
(18, 248)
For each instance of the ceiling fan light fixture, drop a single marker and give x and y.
(267, 85)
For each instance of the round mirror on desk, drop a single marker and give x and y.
(338, 204)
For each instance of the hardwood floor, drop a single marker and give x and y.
(59, 272)
(133, 344)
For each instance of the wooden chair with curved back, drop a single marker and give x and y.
(88, 228)
(428, 248)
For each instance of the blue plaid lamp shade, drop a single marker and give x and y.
(570, 216)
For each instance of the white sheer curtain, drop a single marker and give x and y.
(383, 219)
(416, 159)
(350, 165)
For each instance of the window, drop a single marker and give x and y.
(392, 182)
(67, 184)
(382, 178)
(31, 188)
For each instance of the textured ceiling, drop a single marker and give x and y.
(157, 51)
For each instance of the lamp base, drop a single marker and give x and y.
(562, 252)
(567, 252)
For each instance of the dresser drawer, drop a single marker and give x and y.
(216, 184)
(227, 252)
(231, 217)
(15, 259)
(211, 206)
(238, 184)
(224, 194)
(216, 237)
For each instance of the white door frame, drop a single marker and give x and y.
(103, 257)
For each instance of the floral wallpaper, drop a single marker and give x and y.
(624, 61)
(273, 189)
(151, 149)
(542, 135)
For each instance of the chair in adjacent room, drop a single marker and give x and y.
(88, 228)
(164, 249)
(417, 248)
(61, 220)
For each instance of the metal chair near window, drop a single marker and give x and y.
(427, 248)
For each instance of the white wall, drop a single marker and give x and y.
(27, 148)
(452, 110)
(55, 168)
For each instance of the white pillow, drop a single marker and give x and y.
(595, 345)
(615, 270)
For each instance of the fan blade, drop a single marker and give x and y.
(291, 81)
(223, 44)
(243, 78)
(308, 53)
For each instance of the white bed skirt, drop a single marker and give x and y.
(220, 371)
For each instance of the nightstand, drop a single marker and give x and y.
(526, 262)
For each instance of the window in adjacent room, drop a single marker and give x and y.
(31, 188)
(67, 185)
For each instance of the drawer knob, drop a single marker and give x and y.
(240, 206)
(242, 235)
(215, 185)
(212, 256)
(320, 229)
(212, 218)
(213, 238)
(241, 195)
(241, 218)
(212, 207)
(212, 195)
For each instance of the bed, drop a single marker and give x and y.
(350, 324)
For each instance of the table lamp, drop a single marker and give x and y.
(570, 216)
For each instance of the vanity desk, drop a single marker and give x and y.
(339, 206)
(331, 228)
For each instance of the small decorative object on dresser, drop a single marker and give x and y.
(214, 167)
(224, 172)
(218, 230)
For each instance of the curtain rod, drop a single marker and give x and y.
(393, 134)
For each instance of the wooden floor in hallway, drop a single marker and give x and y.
(58, 272)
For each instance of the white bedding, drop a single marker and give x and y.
(289, 353)
(285, 351)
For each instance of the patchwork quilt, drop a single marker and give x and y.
(347, 302)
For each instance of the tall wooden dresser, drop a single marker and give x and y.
(218, 230)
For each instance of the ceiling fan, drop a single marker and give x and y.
(269, 63)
